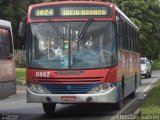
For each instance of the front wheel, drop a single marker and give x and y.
(49, 108)
(119, 105)
(133, 94)
(150, 74)
(146, 75)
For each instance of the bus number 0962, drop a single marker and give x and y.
(42, 74)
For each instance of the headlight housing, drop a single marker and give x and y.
(101, 88)
(38, 89)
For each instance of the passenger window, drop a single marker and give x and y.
(7, 37)
(6, 49)
(8, 43)
(2, 55)
(1, 36)
(1, 44)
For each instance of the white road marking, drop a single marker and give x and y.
(148, 87)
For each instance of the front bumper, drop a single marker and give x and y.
(111, 96)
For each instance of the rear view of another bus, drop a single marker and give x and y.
(7, 62)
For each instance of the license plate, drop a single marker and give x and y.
(68, 98)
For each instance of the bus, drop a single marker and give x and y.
(80, 52)
(7, 61)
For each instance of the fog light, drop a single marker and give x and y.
(89, 99)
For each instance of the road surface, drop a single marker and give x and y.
(16, 107)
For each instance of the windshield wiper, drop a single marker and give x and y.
(53, 25)
(85, 29)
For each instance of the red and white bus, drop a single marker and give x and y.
(80, 52)
(7, 61)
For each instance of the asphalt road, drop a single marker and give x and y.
(16, 107)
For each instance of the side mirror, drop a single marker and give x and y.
(22, 27)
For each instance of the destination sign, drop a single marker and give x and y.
(57, 11)
(83, 11)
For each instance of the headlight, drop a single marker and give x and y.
(38, 89)
(101, 88)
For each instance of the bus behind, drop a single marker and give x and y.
(7, 61)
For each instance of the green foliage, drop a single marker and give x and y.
(156, 65)
(145, 14)
(20, 73)
(151, 105)
(20, 76)
(20, 64)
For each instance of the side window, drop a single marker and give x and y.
(134, 40)
(131, 38)
(128, 36)
(124, 35)
(120, 34)
(1, 36)
(7, 43)
(137, 42)
(2, 53)
(6, 49)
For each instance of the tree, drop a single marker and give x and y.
(145, 14)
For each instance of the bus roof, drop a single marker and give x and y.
(118, 10)
(5, 23)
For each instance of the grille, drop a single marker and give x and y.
(75, 80)
(69, 89)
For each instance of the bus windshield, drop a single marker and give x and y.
(58, 46)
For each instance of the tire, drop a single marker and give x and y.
(146, 76)
(49, 108)
(150, 74)
(119, 105)
(133, 94)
